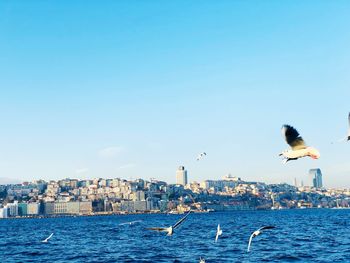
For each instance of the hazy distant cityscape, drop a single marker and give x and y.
(119, 196)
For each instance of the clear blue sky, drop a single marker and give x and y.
(136, 88)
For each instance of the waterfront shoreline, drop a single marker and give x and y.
(166, 213)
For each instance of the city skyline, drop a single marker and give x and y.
(134, 91)
(181, 179)
(120, 196)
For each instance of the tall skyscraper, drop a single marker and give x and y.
(181, 176)
(316, 177)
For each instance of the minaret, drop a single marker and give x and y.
(295, 182)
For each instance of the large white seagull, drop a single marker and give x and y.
(296, 142)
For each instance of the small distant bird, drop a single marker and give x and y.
(47, 239)
(296, 142)
(201, 260)
(201, 155)
(170, 230)
(130, 223)
(256, 233)
(218, 233)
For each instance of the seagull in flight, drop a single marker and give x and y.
(256, 233)
(170, 230)
(47, 239)
(296, 142)
(347, 138)
(201, 155)
(218, 233)
(130, 223)
(201, 260)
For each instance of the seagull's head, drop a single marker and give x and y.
(256, 233)
(314, 154)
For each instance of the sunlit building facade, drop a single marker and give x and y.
(316, 177)
(181, 176)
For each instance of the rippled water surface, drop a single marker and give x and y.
(300, 236)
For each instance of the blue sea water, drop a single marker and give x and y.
(316, 235)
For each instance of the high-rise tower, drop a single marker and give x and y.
(181, 176)
(316, 177)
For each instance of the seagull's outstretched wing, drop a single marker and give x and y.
(347, 138)
(343, 139)
(159, 229)
(130, 223)
(266, 227)
(250, 241)
(178, 223)
(293, 138)
(218, 233)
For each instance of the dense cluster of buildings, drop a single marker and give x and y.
(105, 196)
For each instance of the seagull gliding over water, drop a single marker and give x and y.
(47, 239)
(170, 230)
(256, 233)
(218, 233)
